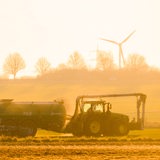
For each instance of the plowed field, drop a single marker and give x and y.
(80, 151)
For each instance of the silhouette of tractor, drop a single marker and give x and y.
(93, 117)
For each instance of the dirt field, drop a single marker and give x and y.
(80, 150)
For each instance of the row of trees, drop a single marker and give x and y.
(104, 61)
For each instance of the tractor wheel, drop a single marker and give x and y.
(93, 128)
(121, 129)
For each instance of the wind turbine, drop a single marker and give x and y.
(121, 56)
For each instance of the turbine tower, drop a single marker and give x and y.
(121, 56)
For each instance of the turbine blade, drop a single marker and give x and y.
(109, 40)
(128, 37)
(119, 57)
(97, 50)
(122, 55)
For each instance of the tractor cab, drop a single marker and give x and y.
(96, 106)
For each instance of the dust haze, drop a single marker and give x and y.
(67, 84)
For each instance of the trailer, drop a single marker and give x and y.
(22, 119)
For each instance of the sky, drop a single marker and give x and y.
(55, 29)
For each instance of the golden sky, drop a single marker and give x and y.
(56, 28)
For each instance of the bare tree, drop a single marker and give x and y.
(136, 62)
(13, 64)
(76, 61)
(62, 66)
(42, 65)
(104, 61)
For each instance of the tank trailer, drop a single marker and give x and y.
(92, 117)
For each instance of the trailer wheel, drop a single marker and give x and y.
(93, 128)
(27, 128)
(11, 127)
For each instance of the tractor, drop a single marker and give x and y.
(93, 117)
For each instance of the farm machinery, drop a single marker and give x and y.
(22, 119)
(92, 117)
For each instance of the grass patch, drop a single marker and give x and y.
(153, 133)
(48, 137)
(45, 133)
